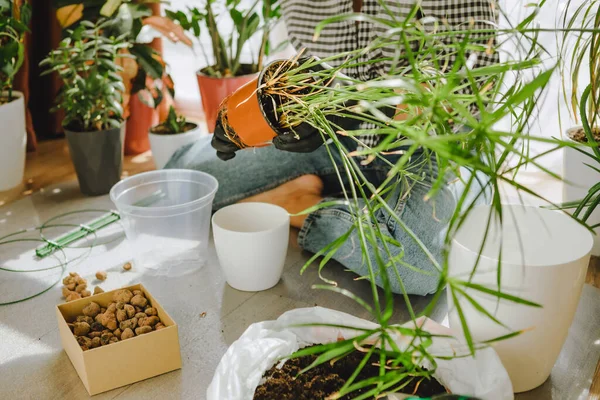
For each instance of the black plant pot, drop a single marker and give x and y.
(98, 159)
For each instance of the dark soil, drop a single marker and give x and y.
(578, 135)
(162, 129)
(272, 102)
(326, 379)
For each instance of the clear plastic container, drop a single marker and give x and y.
(166, 217)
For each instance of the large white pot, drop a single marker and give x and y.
(164, 146)
(545, 255)
(578, 179)
(13, 141)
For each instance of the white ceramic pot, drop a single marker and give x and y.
(252, 242)
(545, 255)
(578, 179)
(13, 141)
(164, 146)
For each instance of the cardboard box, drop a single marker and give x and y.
(125, 362)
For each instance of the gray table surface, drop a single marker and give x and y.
(34, 366)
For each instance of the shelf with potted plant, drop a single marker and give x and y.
(225, 72)
(450, 116)
(14, 18)
(91, 98)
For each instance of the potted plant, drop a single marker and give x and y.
(170, 135)
(261, 100)
(90, 96)
(225, 71)
(449, 119)
(581, 160)
(14, 19)
(148, 88)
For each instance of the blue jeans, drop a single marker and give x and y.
(253, 171)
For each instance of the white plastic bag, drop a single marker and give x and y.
(264, 343)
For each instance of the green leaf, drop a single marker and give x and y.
(109, 8)
(499, 294)
(525, 93)
(144, 55)
(463, 321)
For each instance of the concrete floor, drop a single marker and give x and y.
(35, 367)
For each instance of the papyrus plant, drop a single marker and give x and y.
(450, 112)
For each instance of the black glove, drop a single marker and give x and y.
(303, 138)
(225, 148)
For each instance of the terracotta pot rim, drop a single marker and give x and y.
(173, 134)
(203, 75)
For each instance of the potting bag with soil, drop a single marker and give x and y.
(264, 343)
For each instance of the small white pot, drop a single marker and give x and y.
(545, 255)
(578, 179)
(164, 146)
(13, 141)
(252, 242)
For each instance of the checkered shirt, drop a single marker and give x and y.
(302, 16)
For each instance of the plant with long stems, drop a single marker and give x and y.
(14, 20)
(227, 48)
(92, 88)
(449, 114)
(584, 47)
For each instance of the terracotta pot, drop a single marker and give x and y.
(246, 117)
(141, 119)
(214, 90)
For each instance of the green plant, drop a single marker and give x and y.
(578, 49)
(173, 124)
(14, 19)
(227, 49)
(92, 88)
(451, 107)
(146, 77)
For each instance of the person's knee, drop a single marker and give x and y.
(415, 283)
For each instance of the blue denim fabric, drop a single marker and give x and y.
(254, 171)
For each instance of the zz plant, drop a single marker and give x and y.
(227, 48)
(86, 62)
(14, 19)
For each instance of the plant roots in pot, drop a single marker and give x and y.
(252, 116)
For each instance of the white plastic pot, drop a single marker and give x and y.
(164, 146)
(259, 229)
(545, 255)
(13, 141)
(578, 179)
(263, 344)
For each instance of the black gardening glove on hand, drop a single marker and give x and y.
(303, 138)
(225, 148)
